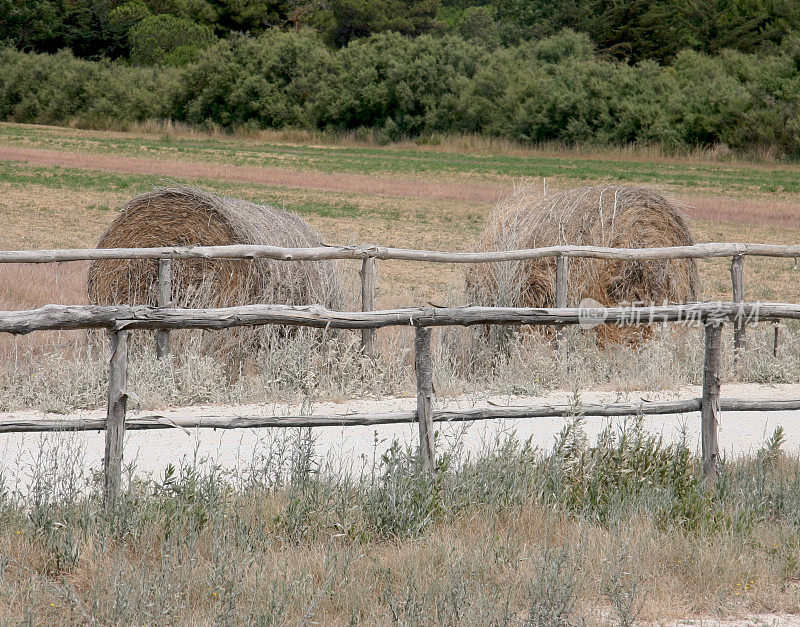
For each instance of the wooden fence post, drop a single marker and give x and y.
(775, 340)
(115, 418)
(424, 367)
(709, 407)
(369, 278)
(562, 291)
(164, 300)
(737, 279)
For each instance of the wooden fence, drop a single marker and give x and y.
(121, 320)
(368, 254)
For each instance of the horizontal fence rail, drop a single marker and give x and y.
(323, 253)
(158, 421)
(66, 317)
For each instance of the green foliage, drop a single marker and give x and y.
(30, 24)
(404, 500)
(653, 29)
(168, 40)
(553, 89)
(633, 30)
(479, 24)
(129, 14)
(404, 86)
(276, 80)
(252, 16)
(44, 89)
(341, 21)
(625, 467)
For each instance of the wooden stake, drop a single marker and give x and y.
(115, 418)
(775, 342)
(424, 366)
(369, 278)
(164, 300)
(737, 280)
(562, 291)
(709, 405)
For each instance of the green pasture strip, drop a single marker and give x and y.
(57, 177)
(732, 179)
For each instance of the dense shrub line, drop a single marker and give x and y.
(555, 89)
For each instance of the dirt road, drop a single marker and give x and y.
(354, 448)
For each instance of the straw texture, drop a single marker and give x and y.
(184, 216)
(614, 216)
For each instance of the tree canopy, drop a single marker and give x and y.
(631, 30)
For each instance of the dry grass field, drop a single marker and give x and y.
(59, 187)
(62, 187)
(612, 532)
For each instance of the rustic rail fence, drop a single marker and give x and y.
(120, 320)
(369, 254)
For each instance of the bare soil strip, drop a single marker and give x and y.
(355, 183)
(743, 210)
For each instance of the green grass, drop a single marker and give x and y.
(410, 162)
(60, 178)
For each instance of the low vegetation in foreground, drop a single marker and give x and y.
(69, 371)
(606, 533)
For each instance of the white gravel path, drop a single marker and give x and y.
(740, 433)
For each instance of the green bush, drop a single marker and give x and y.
(554, 89)
(404, 86)
(166, 39)
(280, 79)
(58, 89)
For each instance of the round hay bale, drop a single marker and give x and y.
(612, 216)
(183, 216)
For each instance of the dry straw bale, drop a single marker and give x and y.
(183, 216)
(613, 216)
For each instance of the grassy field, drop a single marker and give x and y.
(604, 534)
(50, 206)
(432, 163)
(579, 535)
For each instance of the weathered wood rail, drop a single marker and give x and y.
(368, 254)
(118, 317)
(120, 320)
(472, 414)
(322, 253)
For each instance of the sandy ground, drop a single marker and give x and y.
(758, 620)
(355, 448)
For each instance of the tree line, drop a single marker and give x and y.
(555, 89)
(173, 31)
(507, 68)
